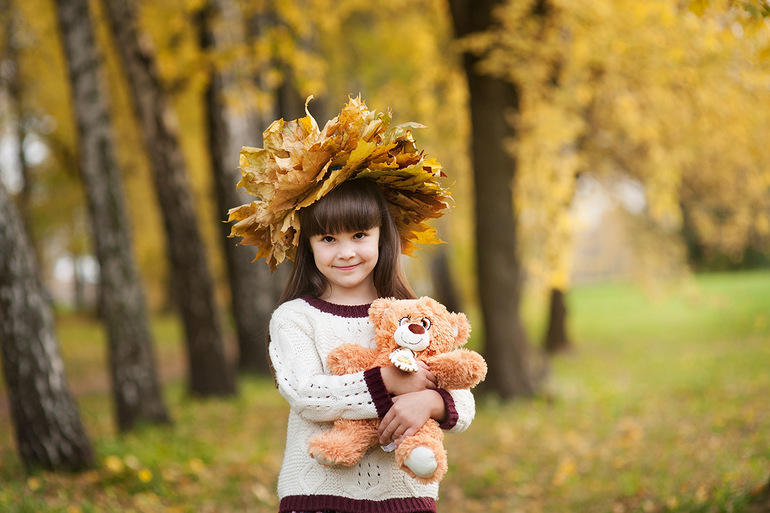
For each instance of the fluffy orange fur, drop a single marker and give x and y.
(454, 367)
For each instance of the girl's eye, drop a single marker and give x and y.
(403, 321)
(327, 238)
(425, 323)
(359, 235)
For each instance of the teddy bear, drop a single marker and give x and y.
(405, 330)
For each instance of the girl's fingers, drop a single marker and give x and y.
(386, 428)
(424, 370)
(399, 382)
(386, 435)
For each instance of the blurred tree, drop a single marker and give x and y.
(46, 166)
(49, 433)
(444, 284)
(10, 79)
(753, 18)
(492, 102)
(631, 93)
(703, 170)
(400, 61)
(132, 363)
(248, 287)
(557, 339)
(209, 372)
(546, 148)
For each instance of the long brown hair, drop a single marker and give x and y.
(353, 206)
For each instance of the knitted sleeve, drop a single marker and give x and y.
(299, 371)
(465, 406)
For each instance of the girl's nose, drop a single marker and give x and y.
(346, 251)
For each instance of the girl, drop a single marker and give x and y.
(348, 254)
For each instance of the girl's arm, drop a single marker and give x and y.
(400, 382)
(452, 409)
(409, 413)
(417, 400)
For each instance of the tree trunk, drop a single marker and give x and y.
(248, 286)
(556, 339)
(49, 433)
(14, 89)
(492, 100)
(209, 371)
(444, 283)
(760, 501)
(132, 362)
(248, 129)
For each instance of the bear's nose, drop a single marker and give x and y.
(417, 329)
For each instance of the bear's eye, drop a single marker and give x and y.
(403, 320)
(425, 323)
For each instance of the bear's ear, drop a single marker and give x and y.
(462, 328)
(378, 307)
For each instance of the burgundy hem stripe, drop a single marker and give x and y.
(350, 311)
(346, 505)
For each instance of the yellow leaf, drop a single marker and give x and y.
(114, 464)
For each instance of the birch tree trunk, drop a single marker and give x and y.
(499, 269)
(132, 362)
(250, 288)
(209, 372)
(14, 89)
(49, 433)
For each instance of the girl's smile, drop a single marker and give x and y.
(346, 260)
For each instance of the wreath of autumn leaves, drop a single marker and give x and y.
(301, 163)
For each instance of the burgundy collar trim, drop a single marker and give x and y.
(350, 311)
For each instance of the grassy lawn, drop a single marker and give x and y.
(662, 407)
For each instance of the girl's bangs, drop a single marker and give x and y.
(352, 207)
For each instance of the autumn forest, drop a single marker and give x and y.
(598, 143)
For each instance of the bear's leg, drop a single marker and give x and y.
(422, 455)
(345, 444)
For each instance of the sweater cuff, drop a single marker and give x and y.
(378, 391)
(451, 412)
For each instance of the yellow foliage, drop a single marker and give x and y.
(637, 89)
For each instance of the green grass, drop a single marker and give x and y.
(662, 406)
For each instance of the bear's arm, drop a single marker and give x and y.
(350, 358)
(458, 369)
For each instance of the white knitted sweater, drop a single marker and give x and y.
(303, 332)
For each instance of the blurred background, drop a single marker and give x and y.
(611, 180)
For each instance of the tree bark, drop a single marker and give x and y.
(760, 501)
(49, 433)
(209, 372)
(15, 90)
(248, 287)
(444, 283)
(492, 100)
(132, 363)
(556, 339)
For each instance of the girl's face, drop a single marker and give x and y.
(347, 260)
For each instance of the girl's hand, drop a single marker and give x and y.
(409, 413)
(401, 382)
